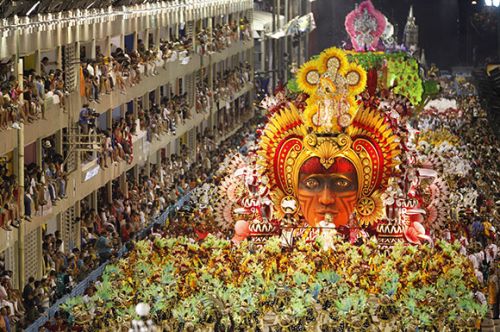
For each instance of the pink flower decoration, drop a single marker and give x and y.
(365, 25)
(415, 234)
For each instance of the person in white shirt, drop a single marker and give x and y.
(90, 69)
(4, 297)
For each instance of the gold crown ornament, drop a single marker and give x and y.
(336, 156)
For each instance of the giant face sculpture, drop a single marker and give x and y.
(330, 160)
(322, 192)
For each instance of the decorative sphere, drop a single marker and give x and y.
(142, 309)
(241, 228)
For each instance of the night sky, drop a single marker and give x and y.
(441, 26)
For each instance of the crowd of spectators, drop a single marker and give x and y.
(43, 187)
(225, 86)
(9, 207)
(176, 48)
(27, 104)
(104, 231)
(204, 96)
(119, 222)
(221, 36)
(473, 177)
(125, 68)
(229, 82)
(116, 143)
(12, 308)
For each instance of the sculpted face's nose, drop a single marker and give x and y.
(326, 197)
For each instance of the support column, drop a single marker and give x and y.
(77, 96)
(37, 61)
(306, 37)
(209, 29)
(59, 58)
(20, 180)
(92, 49)
(60, 224)
(285, 47)
(159, 158)
(124, 184)
(135, 113)
(263, 53)
(39, 253)
(38, 151)
(145, 101)
(147, 166)
(135, 43)
(123, 110)
(107, 47)
(158, 96)
(59, 142)
(145, 39)
(136, 173)
(278, 43)
(156, 38)
(109, 119)
(121, 42)
(109, 192)
(94, 203)
(78, 225)
(299, 51)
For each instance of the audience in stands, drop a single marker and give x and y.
(26, 104)
(124, 68)
(104, 231)
(222, 36)
(9, 200)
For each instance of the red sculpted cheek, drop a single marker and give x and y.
(347, 200)
(306, 204)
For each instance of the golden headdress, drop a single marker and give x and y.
(333, 125)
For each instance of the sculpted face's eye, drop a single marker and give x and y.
(312, 183)
(343, 183)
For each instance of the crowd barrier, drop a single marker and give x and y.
(80, 288)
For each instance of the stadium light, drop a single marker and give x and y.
(492, 3)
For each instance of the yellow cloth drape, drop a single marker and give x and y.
(82, 83)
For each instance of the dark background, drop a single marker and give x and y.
(452, 32)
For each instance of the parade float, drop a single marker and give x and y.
(337, 218)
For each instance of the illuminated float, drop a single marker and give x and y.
(332, 225)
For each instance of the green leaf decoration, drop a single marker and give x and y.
(192, 283)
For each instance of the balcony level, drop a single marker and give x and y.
(29, 34)
(55, 119)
